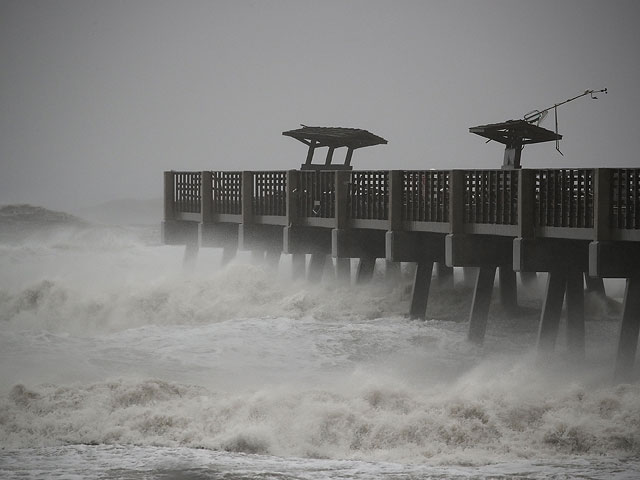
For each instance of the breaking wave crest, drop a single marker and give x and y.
(238, 291)
(463, 424)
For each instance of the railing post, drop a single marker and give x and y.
(169, 201)
(526, 203)
(206, 197)
(456, 201)
(602, 204)
(247, 197)
(342, 193)
(292, 197)
(395, 199)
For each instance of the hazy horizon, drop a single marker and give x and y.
(98, 98)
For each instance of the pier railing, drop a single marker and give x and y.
(563, 203)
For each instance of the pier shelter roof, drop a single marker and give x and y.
(333, 137)
(505, 132)
(515, 134)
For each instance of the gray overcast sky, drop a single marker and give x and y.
(97, 98)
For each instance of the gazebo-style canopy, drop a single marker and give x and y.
(333, 137)
(515, 134)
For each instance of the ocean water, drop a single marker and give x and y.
(116, 362)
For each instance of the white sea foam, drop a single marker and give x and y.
(105, 339)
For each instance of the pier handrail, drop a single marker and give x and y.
(592, 203)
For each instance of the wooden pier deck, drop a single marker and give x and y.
(572, 223)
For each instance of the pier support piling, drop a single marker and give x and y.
(190, 257)
(575, 315)
(343, 270)
(469, 275)
(480, 304)
(551, 309)
(420, 292)
(595, 285)
(629, 330)
(366, 266)
(444, 275)
(392, 271)
(529, 279)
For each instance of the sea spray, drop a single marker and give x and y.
(105, 340)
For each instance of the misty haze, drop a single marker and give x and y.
(411, 282)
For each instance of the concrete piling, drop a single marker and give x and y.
(420, 292)
(629, 330)
(575, 315)
(551, 309)
(480, 304)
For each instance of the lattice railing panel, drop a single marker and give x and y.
(186, 192)
(625, 198)
(270, 193)
(564, 198)
(226, 192)
(491, 196)
(368, 197)
(425, 196)
(316, 194)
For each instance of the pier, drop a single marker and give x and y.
(579, 225)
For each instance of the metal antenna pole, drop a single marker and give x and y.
(536, 116)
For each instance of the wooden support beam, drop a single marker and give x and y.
(575, 315)
(348, 157)
(329, 156)
(366, 266)
(312, 149)
(551, 309)
(629, 330)
(420, 292)
(480, 304)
